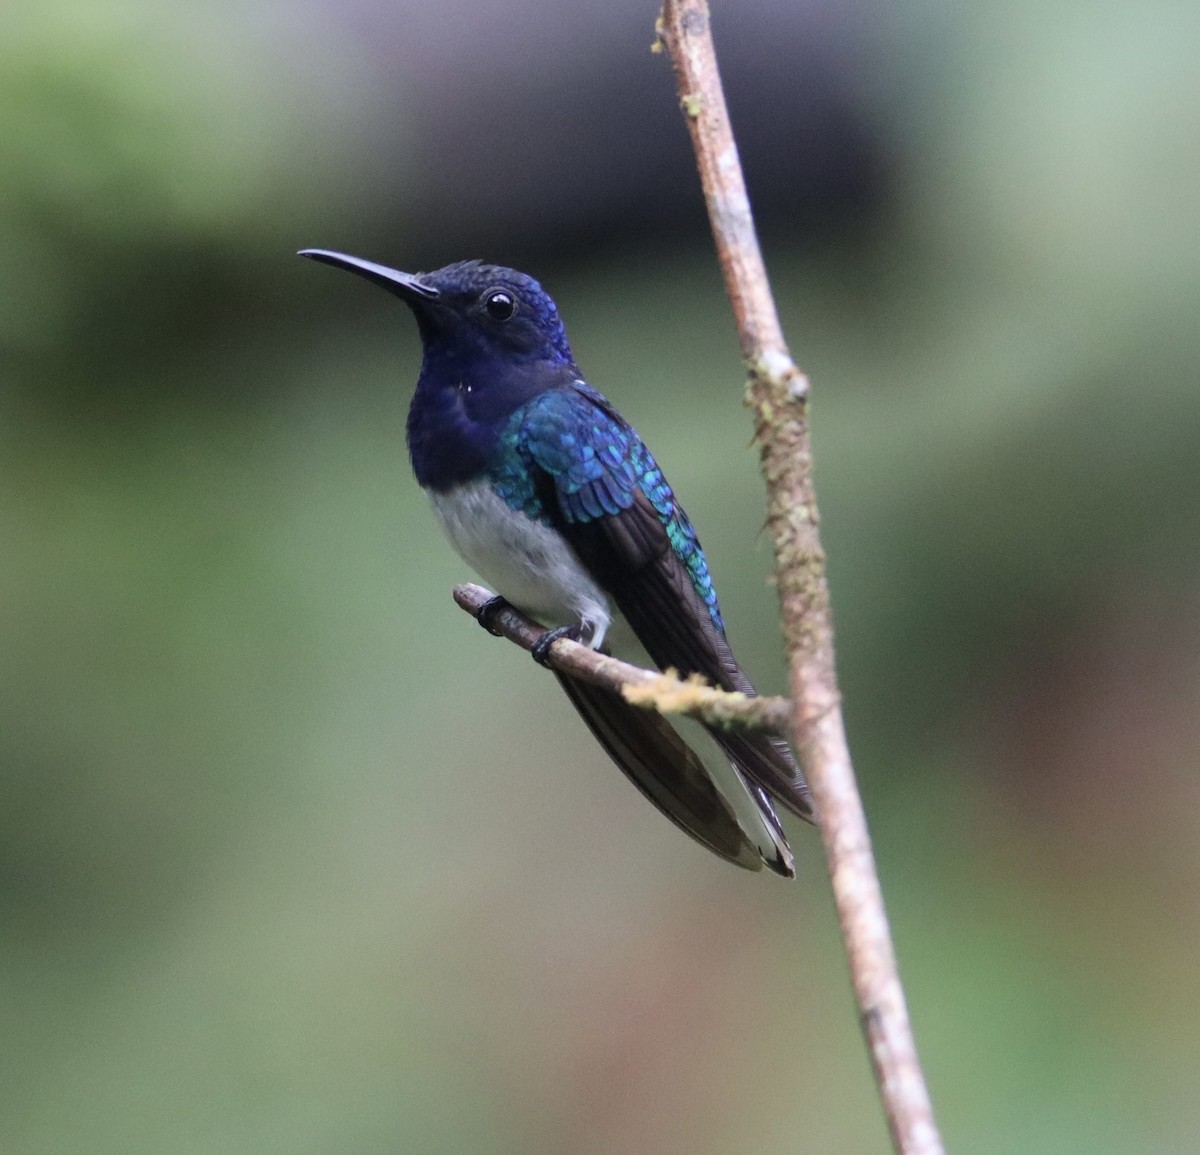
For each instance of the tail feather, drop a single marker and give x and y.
(671, 775)
(768, 762)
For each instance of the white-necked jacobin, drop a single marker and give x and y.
(553, 499)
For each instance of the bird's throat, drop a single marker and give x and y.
(446, 446)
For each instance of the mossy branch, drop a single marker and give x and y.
(650, 689)
(777, 393)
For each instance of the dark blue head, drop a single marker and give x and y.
(472, 313)
(492, 340)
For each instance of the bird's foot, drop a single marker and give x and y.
(541, 648)
(486, 614)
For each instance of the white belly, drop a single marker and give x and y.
(524, 560)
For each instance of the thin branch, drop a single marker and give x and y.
(664, 692)
(777, 392)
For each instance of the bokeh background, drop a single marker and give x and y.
(294, 859)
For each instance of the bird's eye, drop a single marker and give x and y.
(500, 304)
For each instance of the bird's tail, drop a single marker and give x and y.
(671, 775)
(768, 762)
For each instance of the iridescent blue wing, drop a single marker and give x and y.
(598, 484)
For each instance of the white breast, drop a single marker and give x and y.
(522, 559)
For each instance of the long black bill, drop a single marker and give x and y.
(404, 285)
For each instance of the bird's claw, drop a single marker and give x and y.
(541, 648)
(486, 614)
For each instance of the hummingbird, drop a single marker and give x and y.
(554, 500)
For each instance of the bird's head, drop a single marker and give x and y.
(472, 316)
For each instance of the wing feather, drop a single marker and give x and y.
(604, 491)
(662, 766)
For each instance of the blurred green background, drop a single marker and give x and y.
(294, 859)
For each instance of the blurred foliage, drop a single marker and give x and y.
(293, 858)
